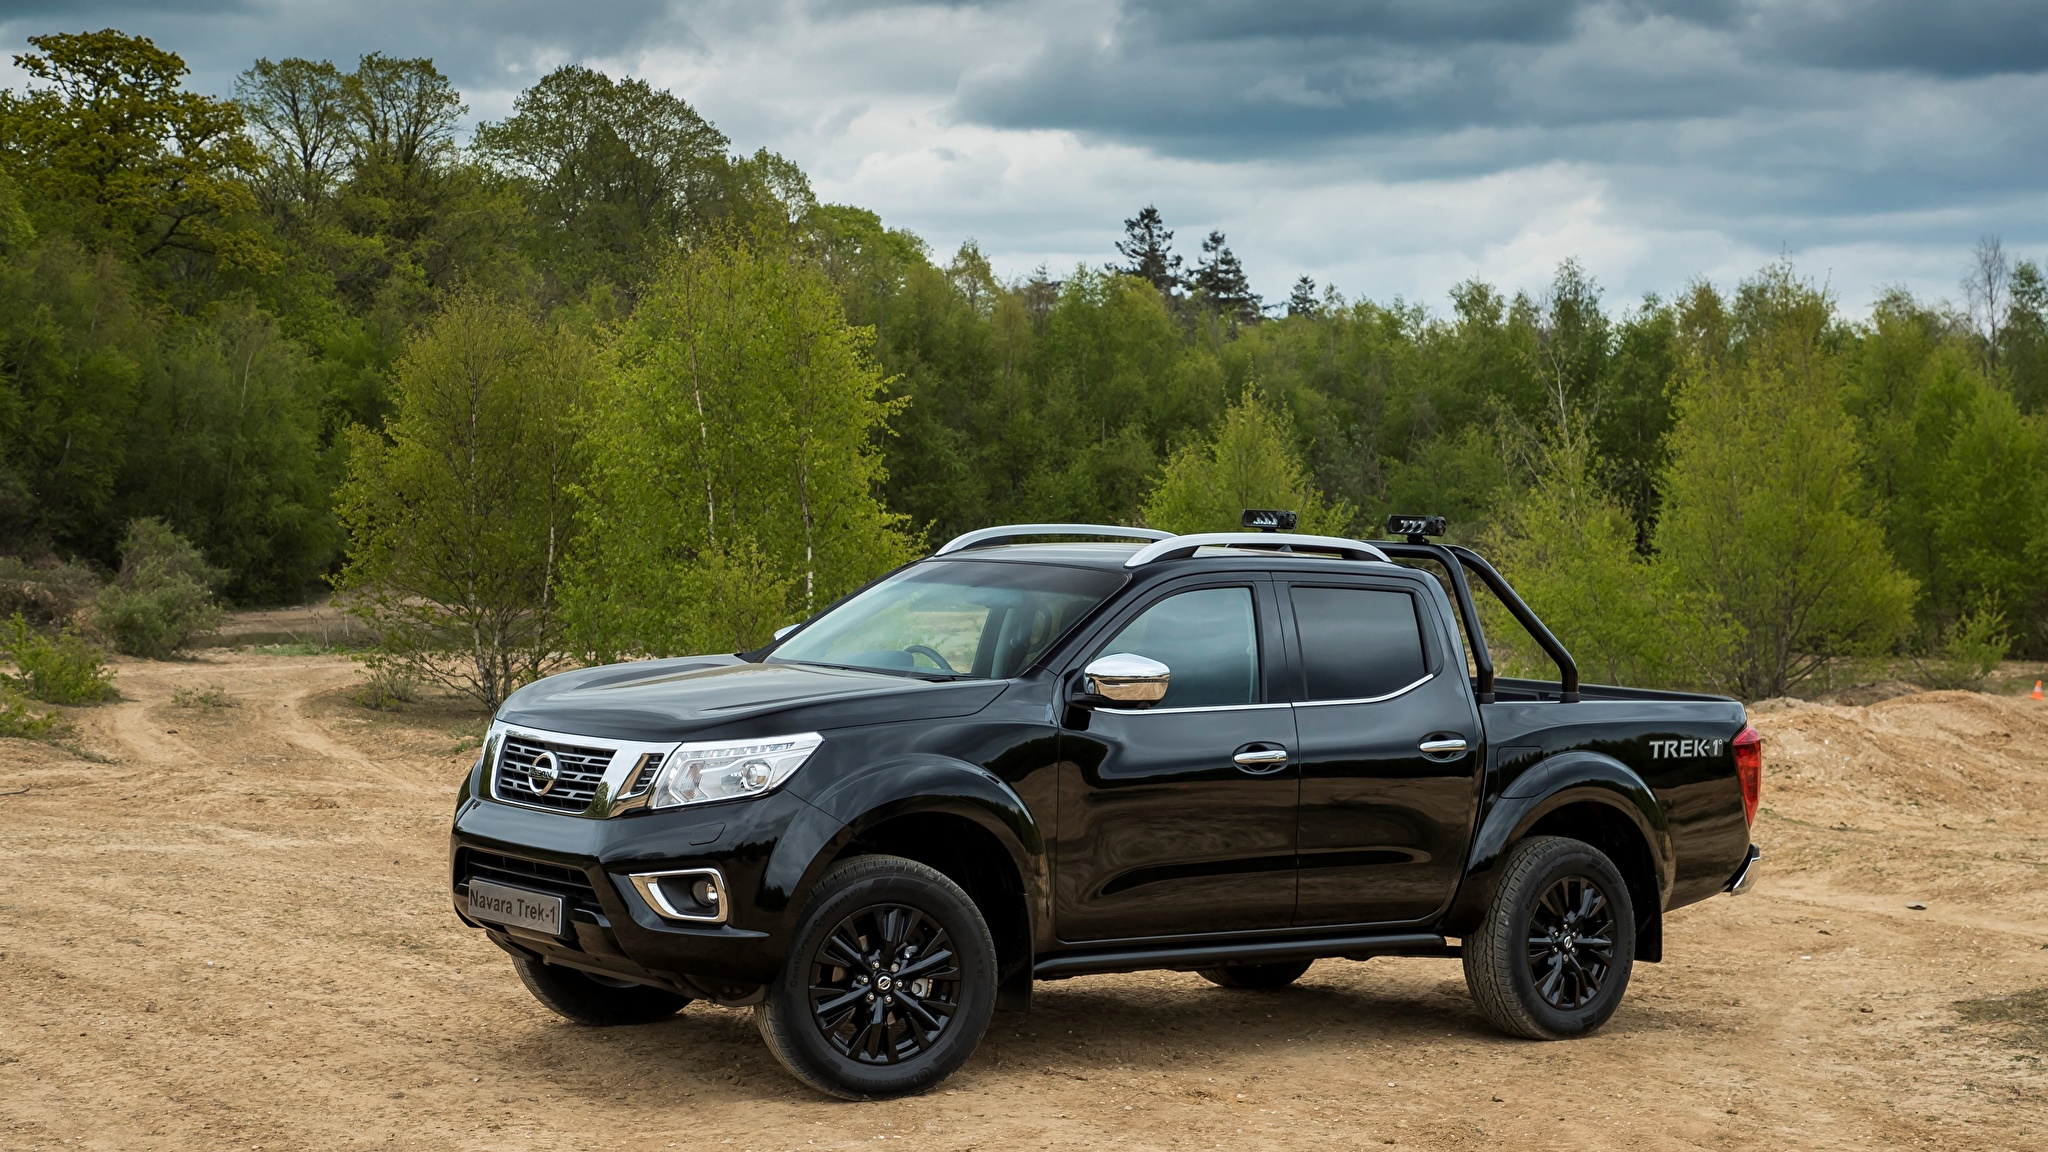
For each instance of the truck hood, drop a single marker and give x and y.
(722, 696)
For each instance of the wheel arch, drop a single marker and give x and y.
(961, 820)
(1586, 796)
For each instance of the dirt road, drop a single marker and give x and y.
(226, 929)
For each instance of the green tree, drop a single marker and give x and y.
(299, 111)
(461, 513)
(1570, 549)
(115, 148)
(1221, 281)
(1762, 499)
(1249, 463)
(615, 171)
(734, 455)
(1148, 245)
(236, 461)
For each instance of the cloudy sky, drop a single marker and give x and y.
(1389, 147)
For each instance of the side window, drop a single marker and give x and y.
(1357, 642)
(1209, 640)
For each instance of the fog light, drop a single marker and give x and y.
(694, 894)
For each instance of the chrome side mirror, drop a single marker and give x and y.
(1126, 678)
(785, 630)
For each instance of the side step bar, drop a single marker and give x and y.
(1210, 954)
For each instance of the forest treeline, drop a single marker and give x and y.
(594, 381)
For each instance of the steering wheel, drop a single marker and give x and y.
(928, 650)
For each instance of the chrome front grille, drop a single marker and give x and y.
(581, 771)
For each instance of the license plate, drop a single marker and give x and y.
(518, 907)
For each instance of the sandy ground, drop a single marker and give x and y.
(225, 928)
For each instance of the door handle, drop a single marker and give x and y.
(1443, 745)
(1261, 758)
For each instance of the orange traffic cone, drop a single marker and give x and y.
(2037, 692)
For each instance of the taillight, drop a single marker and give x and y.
(1749, 769)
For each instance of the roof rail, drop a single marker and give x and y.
(1179, 546)
(988, 537)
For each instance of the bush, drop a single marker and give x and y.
(163, 596)
(1969, 651)
(46, 593)
(66, 670)
(213, 696)
(18, 717)
(386, 687)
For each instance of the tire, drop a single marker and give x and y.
(593, 1000)
(1255, 976)
(875, 921)
(1528, 963)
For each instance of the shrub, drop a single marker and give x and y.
(163, 596)
(386, 686)
(68, 669)
(1970, 650)
(19, 717)
(46, 593)
(213, 696)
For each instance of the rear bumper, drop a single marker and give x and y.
(1745, 876)
(611, 927)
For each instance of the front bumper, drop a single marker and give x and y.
(611, 927)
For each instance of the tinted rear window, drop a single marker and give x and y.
(1357, 642)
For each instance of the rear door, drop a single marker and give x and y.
(1179, 818)
(1388, 741)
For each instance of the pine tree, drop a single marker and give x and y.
(1148, 245)
(1302, 301)
(1220, 278)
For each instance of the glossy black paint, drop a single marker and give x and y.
(1114, 834)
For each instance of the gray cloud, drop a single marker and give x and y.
(1392, 145)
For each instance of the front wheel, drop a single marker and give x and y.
(889, 984)
(1552, 957)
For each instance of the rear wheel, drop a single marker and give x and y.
(591, 999)
(1552, 957)
(889, 984)
(1255, 975)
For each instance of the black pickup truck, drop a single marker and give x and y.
(1051, 750)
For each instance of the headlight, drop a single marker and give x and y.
(700, 773)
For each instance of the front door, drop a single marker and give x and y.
(1389, 759)
(1179, 818)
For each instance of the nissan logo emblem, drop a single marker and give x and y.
(541, 778)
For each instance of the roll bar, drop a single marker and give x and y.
(1455, 559)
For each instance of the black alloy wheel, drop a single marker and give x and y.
(1571, 943)
(1551, 957)
(889, 983)
(884, 984)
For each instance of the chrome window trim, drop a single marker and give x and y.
(1367, 699)
(644, 883)
(1199, 708)
(628, 756)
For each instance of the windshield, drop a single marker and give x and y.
(953, 618)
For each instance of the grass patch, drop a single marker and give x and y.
(2021, 1016)
(212, 696)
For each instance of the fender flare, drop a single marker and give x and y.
(916, 784)
(1573, 777)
